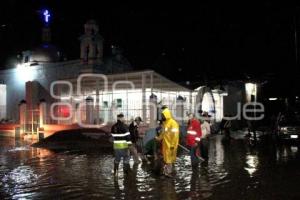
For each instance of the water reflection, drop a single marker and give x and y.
(233, 171)
(18, 179)
(200, 186)
(168, 191)
(217, 150)
(251, 164)
(285, 153)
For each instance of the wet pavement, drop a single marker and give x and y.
(236, 170)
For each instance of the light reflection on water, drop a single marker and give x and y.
(233, 171)
(252, 164)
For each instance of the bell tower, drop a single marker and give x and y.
(91, 44)
(46, 31)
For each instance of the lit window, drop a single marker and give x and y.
(119, 103)
(105, 104)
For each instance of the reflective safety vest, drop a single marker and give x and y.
(121, 140)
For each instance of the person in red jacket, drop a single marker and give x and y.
(193, 137)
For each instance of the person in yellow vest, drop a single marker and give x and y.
(170, 139)
(122, 142)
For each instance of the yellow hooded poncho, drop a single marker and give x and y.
(169, 137)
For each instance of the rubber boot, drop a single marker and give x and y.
(168, 170)
(116, 169)
(126, 168)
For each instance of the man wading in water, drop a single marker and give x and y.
(122, 141)
(170, 139)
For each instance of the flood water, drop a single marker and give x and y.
(235, 171)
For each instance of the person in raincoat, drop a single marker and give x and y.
(170, 140)
(193, 137)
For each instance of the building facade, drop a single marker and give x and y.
(91, 91)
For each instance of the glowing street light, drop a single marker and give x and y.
(25, 73)
(272, 99)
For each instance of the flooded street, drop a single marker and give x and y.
(235, 171)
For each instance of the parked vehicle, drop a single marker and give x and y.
(288, 126)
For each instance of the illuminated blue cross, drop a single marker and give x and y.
(46, 15)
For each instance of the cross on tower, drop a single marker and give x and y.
(46, 16)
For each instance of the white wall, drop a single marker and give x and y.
(2, 101)
(218, 106)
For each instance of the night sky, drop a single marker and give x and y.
(194, 42)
